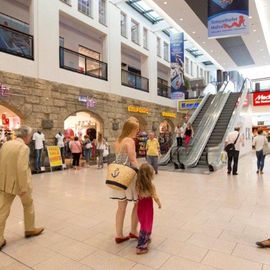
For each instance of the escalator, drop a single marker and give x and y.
(172, 155)
(220, 127)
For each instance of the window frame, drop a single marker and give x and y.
(90, 8)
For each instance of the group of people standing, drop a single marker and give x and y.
(184, 133)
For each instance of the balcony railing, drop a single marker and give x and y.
(135, 81)
(17, 43)
(83, 64)
(164, 90)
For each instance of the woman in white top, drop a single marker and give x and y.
(101, 144)
(259, 142)
(125, 151)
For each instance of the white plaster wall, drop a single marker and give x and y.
(15, 9)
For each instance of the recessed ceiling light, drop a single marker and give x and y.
(165, 3)
(254, 30)
(181, 19)
(203, 42)
(193, 32)
(212, 51)
(250, 17)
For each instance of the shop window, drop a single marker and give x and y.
(145, 38)
(158, 47)
(85, 7)
(187, 65)
(123, 24)
(166, 51)
(135, 31)
(102, 11)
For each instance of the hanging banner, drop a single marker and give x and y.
(228, 18)
(177, 66)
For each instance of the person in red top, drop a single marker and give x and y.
(76, 150)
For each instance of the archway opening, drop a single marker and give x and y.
(9, 121)
(81, 124)
(166, 129)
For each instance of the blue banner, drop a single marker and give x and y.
(177, 66)
(228, 18)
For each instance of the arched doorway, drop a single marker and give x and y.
(9, 121)
(83, 123)
(166, 131)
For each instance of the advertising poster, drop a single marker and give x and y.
(177, 66)
(228, 18)
(54, 155)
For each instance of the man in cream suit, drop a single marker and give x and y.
(15, 179)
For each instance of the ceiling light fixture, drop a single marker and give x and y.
(193, 32)
(203, 42)
(254, 30)
(250, 17)
(181, 19)
(165, 3)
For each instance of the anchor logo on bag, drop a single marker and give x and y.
(115, 173)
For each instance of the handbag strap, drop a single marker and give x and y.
(236, 138)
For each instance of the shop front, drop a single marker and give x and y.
(166, 131)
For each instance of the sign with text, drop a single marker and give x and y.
(261, 98)
(89, 102)
(228, 18)
(189, 104)
(137, 109)
(168, 114)
(177, 66)
(54, 155)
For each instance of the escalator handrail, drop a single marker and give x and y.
(214, 162)
(209, 121)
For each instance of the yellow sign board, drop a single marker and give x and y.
(54, 155)
(189, 104)
(168, 114)
(136, 109)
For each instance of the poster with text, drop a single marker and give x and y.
(177, 66)
(228, 18)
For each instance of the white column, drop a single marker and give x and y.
(33, 25)
(47, 31)
(114, 48)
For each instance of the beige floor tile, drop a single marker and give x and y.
(177, 263)
(266, 267)
(73, 249)
(30, 254)
(252, 253)
(154, 258)
(5, 260)
(59, 262)
(204, 241)
(227, 262)
(15, 266)
(103, 260)
(185, 250)
(141, 267)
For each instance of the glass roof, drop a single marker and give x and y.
(145, 10)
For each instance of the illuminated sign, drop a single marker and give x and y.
(136, 109)
(4, 90)
(89, 102)
(261, 99)
(189, 104)
(168, 114)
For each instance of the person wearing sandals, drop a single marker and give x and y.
(126, 154)
(146, 193)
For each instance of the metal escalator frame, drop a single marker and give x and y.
(205, 130)
(214, 153)
(166, 159)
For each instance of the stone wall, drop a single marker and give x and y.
(35, 100)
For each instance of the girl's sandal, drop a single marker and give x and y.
(141, 251)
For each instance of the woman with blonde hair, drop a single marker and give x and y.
(126, 154)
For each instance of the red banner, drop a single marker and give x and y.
(261, 99)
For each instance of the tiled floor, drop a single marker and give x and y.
(208, 222)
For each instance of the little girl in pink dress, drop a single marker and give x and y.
(146, 193)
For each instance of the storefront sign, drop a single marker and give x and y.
(177, 66)
(4, 90)
(190, 104)
(168, 114)
(138, 109)
(261, 99)
(89, 102)
(228, 18)
(54, 155)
